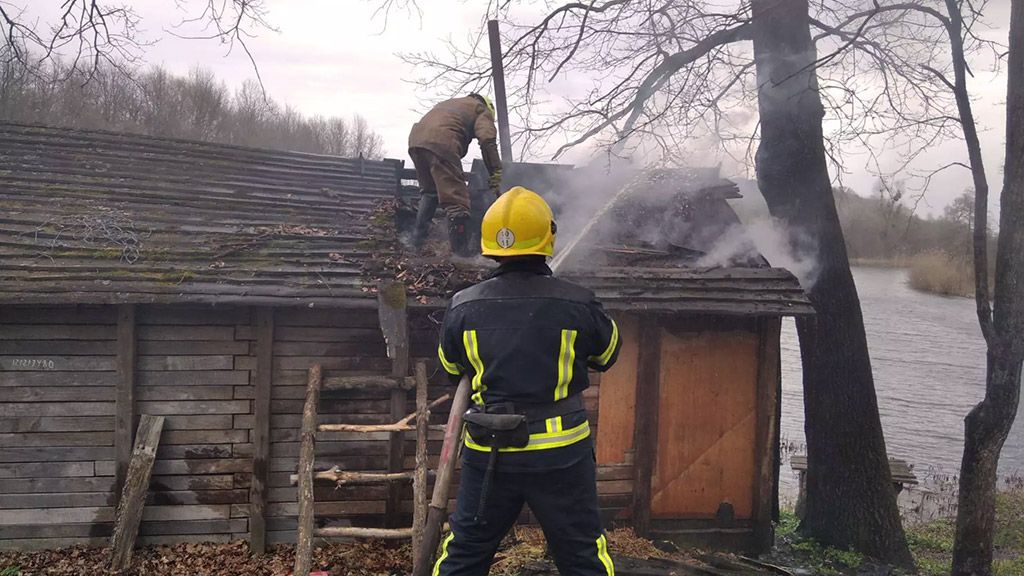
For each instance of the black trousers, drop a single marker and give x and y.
(564, 501)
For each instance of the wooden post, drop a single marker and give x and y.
(261, 430)
(394, 324)
(645, 434)
(304, 545)
(766, 447)
(124, 418)
(129, 509)
(442, 483)
(419, 482)
(500, 103)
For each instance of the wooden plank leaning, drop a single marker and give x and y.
(423, 555)
(304, 543)
(419, 481)
(129, 509)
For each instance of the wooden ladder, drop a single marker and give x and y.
(394, 325)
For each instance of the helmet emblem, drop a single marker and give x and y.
(505, 238)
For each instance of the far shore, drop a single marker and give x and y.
(931, 272)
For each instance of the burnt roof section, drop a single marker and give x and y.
(99, 217)
(671, 244)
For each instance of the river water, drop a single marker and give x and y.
(928, 358)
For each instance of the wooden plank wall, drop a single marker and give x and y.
(198, 367)
(58, 375)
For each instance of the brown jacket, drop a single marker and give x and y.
(448, 128)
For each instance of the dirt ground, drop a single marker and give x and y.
(522, 552)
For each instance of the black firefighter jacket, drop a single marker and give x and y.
(525, 337)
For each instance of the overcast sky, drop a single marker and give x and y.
(332, 57)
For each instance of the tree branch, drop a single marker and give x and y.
(661, 73)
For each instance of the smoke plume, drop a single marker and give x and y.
(781, 246)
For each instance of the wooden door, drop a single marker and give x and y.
(707, 419)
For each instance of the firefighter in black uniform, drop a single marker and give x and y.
(526, 340)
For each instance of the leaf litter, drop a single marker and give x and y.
(370, 558)
(523, 551)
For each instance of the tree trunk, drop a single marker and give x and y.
(988, 424)
(850, 500)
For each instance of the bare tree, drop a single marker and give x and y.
(1000, 314)
(91, 33)
(960, 212)
(365, 142)
(665, 74)
(156, 102)
(849, 496)
(1001, 320)
(206, 100)
(337, 137)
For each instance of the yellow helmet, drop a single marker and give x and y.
(519, 223)
(487, 102)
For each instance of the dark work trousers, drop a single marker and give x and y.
(564, 501)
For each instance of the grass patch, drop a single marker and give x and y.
(794, 549)
(10, 571)
(1010, 520)
(932, 542)
(932, 546)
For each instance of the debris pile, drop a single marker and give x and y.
(431, 274)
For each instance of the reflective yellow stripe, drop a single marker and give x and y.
(473, 354)
(604, 557)
(448, 366)
(444, 553)
(566, 358)
(542, 440)
(553, 424)
(612, 343)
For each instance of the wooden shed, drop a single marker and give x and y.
(201, 281)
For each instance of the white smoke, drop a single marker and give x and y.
(583, 192)
(781, 246)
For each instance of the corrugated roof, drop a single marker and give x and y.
(102, 218)
(98, 217)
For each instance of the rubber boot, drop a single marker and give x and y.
(424, 216)
(458, 235)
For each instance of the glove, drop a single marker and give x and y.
(495, 182)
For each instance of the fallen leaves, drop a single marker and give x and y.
(369, 558)
(294, 230)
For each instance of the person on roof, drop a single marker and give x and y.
(437, 144)
(526, 340)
